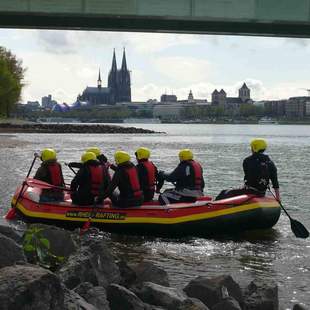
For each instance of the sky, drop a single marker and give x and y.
(62, 63)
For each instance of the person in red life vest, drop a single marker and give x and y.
(126, 179)
(86, 184)
(147, 173)
(50, 172)
(187, 178)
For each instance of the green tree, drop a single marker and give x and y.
(11, 76)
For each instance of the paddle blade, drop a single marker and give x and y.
(85, 227)
(11, 215)
(299, 230)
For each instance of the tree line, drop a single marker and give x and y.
(11, 81)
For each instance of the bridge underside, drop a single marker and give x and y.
(243, 17)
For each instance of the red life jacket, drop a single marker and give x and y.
(151, 174)
(96, 178)
(134, 183)
(197, 174)
(55, 174)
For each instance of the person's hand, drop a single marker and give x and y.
(113, 167)
(98, 200)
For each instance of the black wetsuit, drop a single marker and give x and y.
(259, 170)
(126, 179)
(81, 184)
(189, 184)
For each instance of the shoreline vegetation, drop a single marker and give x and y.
(7, 126)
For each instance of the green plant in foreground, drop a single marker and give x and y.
(37, 249)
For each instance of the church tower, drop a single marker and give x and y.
(112, 81)
(244, 93)
(124, 82)
(99, 80)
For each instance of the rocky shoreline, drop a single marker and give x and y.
(70, 128)
(91, 278)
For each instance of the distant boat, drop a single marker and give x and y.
(142, 121)
(267, 121)
(62, 120)
(192, 121)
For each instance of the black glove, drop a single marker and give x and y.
(75, 165)
(113, 167)
(102, 158)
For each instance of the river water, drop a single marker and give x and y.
(273, 255)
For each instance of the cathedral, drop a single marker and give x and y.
(118, 90)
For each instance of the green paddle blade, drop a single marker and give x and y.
(299, 230)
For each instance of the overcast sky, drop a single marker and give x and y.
(63, 63)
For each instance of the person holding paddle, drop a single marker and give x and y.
(50, 172)
(259, 170)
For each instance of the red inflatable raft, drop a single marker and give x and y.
(202, 218)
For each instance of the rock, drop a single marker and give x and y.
(30, 287)
(10, 251)
(93, 263)
(299, 307)
(193, 304)
(95, 295)
(121, 298)
(128, 275)
(148, 272)
(227, 304)
(209, 291)
(83, 288)
(73, 301)
(158, 295)
(61, 242)
(152, 307)
(11, 233)
(261, 296)
(72, 128)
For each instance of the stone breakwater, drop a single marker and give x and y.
(70, 128)
(91, 278)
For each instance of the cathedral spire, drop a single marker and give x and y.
(124, 63)
(99, 80)
(114, 66)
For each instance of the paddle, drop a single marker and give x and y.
(87, 224)
(44, 185)
(299, 230)
(70, 168)
(12, 212)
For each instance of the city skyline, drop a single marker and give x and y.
(64, 62)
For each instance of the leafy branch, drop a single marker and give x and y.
(37, 249)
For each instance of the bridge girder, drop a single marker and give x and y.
(241, 17)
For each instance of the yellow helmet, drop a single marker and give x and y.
(95, 150)
(143, 153)
(88, 156)
(258, 145)
(121, 157)
(186, 154)
(48, 154)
